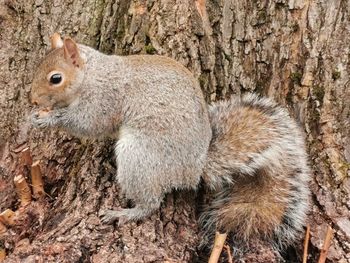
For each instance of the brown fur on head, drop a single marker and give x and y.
(58, 76)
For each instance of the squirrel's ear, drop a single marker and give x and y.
(71, 51)
(56, 41)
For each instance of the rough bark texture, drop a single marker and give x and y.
(295, 51)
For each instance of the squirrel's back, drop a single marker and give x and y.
(257, 165)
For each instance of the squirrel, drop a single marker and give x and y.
(248, 150)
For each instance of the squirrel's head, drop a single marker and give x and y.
(58, 78)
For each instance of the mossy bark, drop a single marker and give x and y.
(295, 51)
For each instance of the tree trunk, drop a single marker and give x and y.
(295, 51)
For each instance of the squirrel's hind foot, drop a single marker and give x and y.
(110, 216)
(123, 215)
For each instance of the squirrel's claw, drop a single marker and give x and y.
(110, 216)
(38, 121)
(46, 118)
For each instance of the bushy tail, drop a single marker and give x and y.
(257, 170)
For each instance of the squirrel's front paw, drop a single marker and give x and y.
(44, 118)
(39, 119)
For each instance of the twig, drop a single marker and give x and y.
(229, 255)
(326, 245)
(23, 190)
(2, 254)
(306, 243)
(37, 180)
(26, 158)
(8, 217)
(217, 247)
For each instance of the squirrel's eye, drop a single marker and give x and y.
(56, 78)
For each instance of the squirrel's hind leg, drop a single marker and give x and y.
(128, 214)
(109, 216)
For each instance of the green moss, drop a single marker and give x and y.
(227, 57)
(318, 92)
(344, 168)
(150, 49)
(262, 16)
(296, 77)
(335, 75)
(202, 80)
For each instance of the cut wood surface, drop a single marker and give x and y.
(37, 180)
(23, 190)
(8, 217)
(218, 245)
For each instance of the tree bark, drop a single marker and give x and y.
(295, 51)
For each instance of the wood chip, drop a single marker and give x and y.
(26, 157)
(326, 245)
(8, 217)
(3, 228)
(2, 254)
(217, 247)
(306, 243)
(23, 190)
(37, 180)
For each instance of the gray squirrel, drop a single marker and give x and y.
(247, 149)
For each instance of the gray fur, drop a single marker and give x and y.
(155, 108)
(157, 112)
